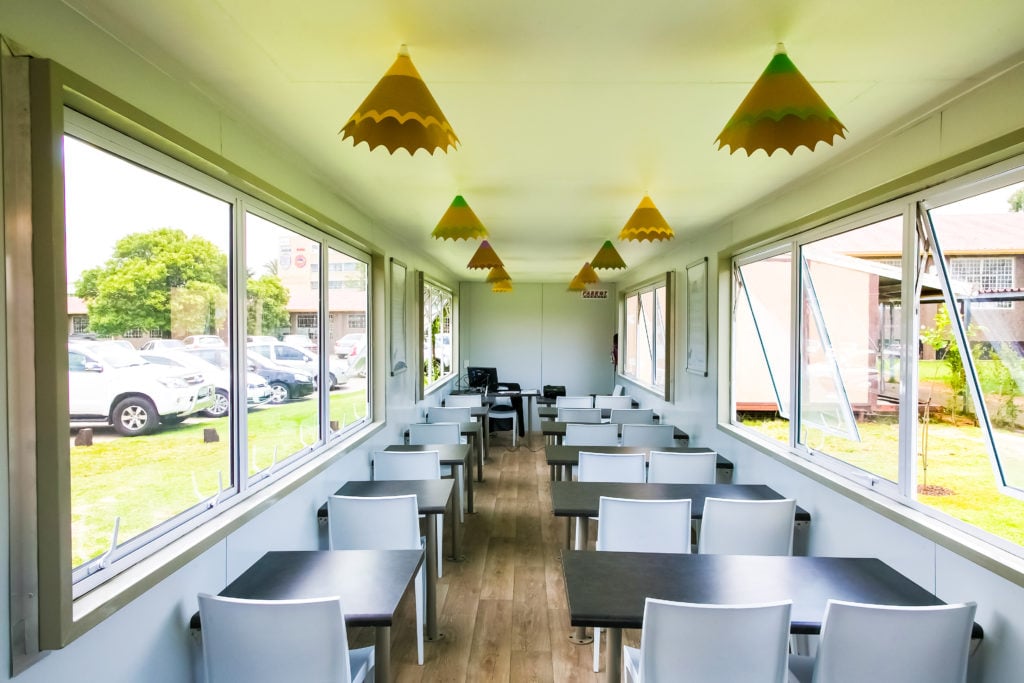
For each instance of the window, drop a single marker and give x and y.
(151, 247)
(906, 349)
(646, 329)
(437, 308)
(357, 321)
(79, 324)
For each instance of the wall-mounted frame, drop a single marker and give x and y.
(399, 316)
(697, 317)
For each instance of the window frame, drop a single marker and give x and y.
(667, 282)
(428, 387)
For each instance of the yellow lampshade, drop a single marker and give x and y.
(459, 223)
(484, 258)
(577, 285)
(587, 275)
(607, 258)
(498, 274)
(502, 286)
(781, 111)
(401, 112)
(646, 223)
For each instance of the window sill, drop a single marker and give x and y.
(106, 599)
(974, 549)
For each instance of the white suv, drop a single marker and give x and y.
(109, 384)
(293, 356)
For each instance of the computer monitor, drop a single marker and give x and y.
(484, 379)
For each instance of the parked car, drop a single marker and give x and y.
(351, 345)
(297, 357)
(107, 383)
(257, 390)
(162, 344)
(285, 383)
(203, 341)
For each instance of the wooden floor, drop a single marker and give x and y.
(502, 611)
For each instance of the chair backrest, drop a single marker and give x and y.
(715, 643)
(643, 526)
(577, 434)
(574, 401)
(886, 644)
(264, 641)
(385, 523)
(747, 527)
(450, 414)
(683, 468)
(587, 415)
(617, 390)
(613, 402)
(635, 416)
(648, 435)
(618, 467)
(464, 400)
(422, 433)
(404, 465)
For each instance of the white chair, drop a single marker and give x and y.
(617, 467)
(410, 465)
(267, 641)
(641, 526)
(385, 523)
(683, 468)
(747, 527)
(502, 409)
(427, 433)
(617, 390)
(574, 401)
(613, 402)
(634, 416)
(651, 436)
(464, 400)
(449, 414)
(887, 644)
(581, 415)
(712, 643)
(606, 434)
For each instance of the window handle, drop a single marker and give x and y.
(108, 556)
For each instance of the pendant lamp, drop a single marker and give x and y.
(497, 274)
(401, 112)
(781, 111)
(502, 286)
(484, 258)
(607, 258)
(459, 223)
(646, 223)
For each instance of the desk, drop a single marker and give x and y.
(474, 431)
(370, 584)
(553, 430)
(608, 590)
(581, 499)
(454, 454)
(562, 459)
(432, 496)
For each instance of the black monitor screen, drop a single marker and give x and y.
(483, 378)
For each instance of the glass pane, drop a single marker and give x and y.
(659, 337)
(982, 240)
(147, 268)
(632, 314)
(843, 411)
(761, 342)
(437, 333)
(645, 339)
(347, 303)
(282, 286)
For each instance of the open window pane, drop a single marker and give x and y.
(437, 333)
(645, 338)
(659, 337)
(283, 300)
(147, 267)
(843, 412)
(629, 363)
(761, 342)
(347, 360)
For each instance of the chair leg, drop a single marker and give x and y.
(597, 649)
(461, 483)
(420, 615)
(440, 545)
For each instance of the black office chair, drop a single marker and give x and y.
(513, 411)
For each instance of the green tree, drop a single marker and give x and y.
(148, 271)
(1016, 201)
(268, 299)
(940, 337)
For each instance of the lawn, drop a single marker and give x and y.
(146, 480)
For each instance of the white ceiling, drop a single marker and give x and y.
(568, 111)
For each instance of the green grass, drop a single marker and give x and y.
(146, 480)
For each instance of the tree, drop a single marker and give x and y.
(1016, 201)
(267, 310)
(148, 271)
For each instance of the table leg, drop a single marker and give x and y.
(614, 650)
(583, 524)
(431, 561)
(568, 533)
(480, 455)
(469, 484)
(382, 654)
(457, 555)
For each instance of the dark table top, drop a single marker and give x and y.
(608, 589)
(552, 413)
(570, 455)
(582, 498)
(431, 494)
(557, 428)
(449, 453)
(370, 583)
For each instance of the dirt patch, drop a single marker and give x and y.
(934, 490)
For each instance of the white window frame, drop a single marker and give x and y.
(427, 386)
(665, 284)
